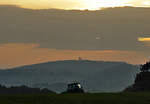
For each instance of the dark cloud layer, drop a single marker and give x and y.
(108, 29)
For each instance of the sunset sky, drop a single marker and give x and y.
(76, 4)
(29, 36)
(13, 55)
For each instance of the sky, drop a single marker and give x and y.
(29, 36)
(76, 4)
(26, 54)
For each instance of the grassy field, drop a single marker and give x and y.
(102, 98)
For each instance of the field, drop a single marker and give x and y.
(101, 98)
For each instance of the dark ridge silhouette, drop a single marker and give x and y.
(142, 80)
(23, 90)
(95, 76)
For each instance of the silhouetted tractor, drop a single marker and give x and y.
(74, 88)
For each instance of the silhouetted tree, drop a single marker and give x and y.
(145, 67)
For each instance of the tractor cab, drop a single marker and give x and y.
(75, 88)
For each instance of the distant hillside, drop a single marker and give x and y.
(93, 75)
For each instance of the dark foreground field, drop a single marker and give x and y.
(103, 98)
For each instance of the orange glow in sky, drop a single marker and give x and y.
(18, 54)
(76, 4)
(144, 39)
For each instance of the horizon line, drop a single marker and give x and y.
(9, 68)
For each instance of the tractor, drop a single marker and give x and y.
(74, 88)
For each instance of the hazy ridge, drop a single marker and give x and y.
(94, 75)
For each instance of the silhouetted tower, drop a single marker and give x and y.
(79, 58)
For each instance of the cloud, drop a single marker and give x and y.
(75, 30)
(34, 36)
(145, 40)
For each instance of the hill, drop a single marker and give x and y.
(95, 76)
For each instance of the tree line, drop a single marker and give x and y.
(145, 67)
(23, 90)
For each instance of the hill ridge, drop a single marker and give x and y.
(94, 75)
